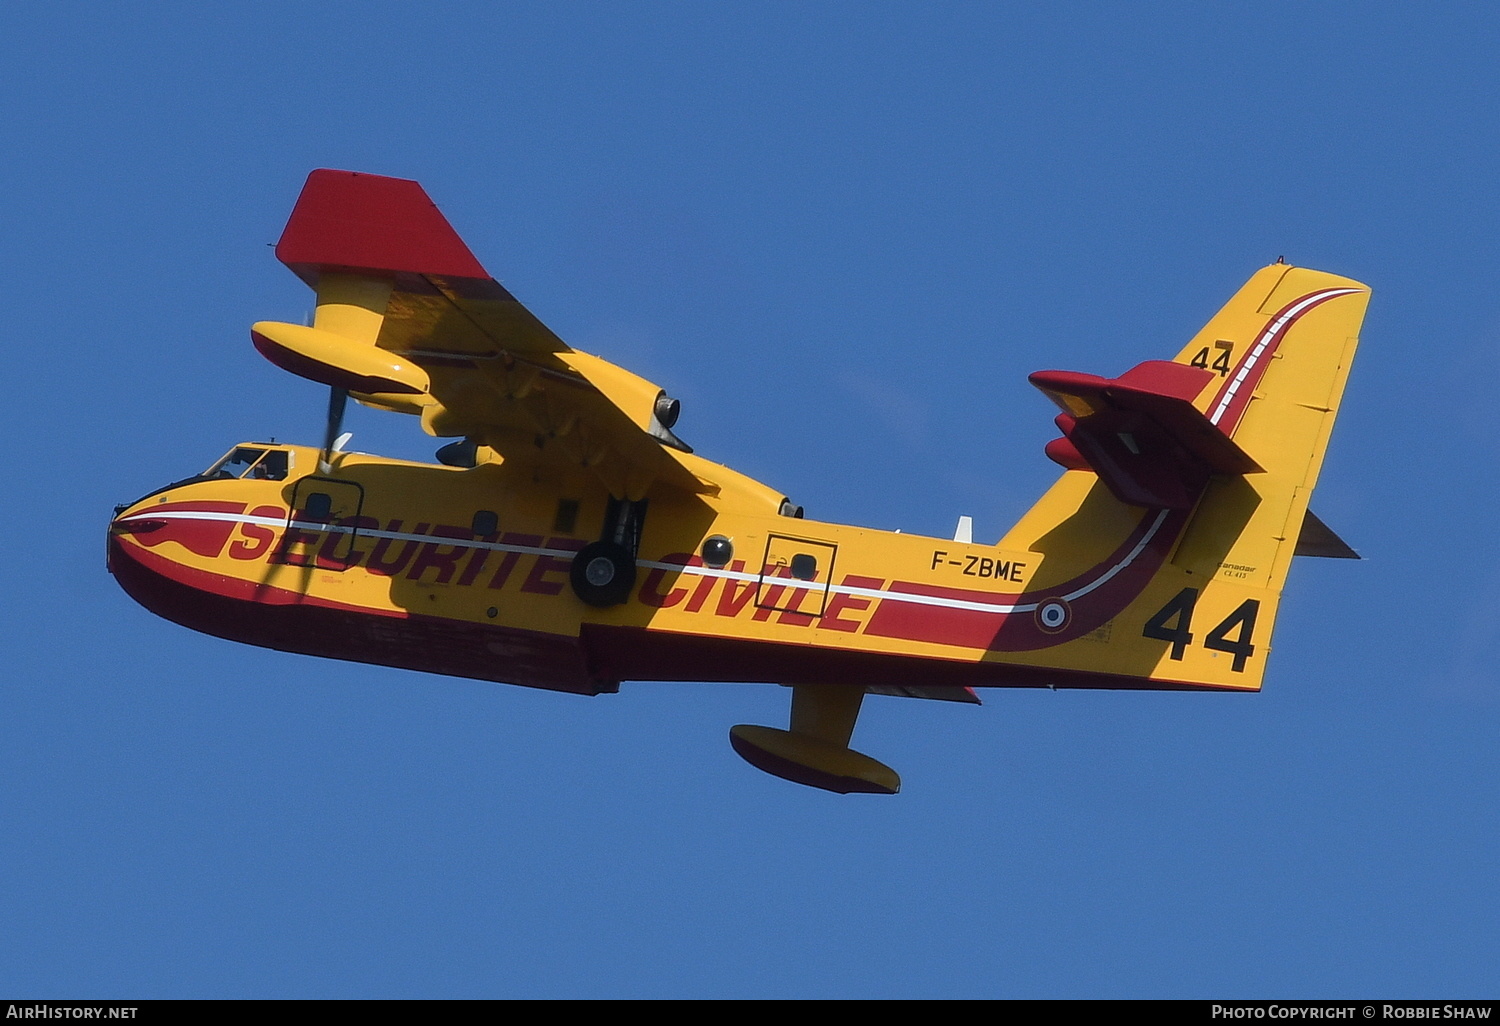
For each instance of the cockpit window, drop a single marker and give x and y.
(272, 467)
(236, 463)
(249, 462)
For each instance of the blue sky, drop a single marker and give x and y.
(842, 234)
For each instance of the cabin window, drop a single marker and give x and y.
(804, 566)
(717, 551)
(319, 506)
(485, 523)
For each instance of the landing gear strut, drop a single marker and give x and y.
(603, 572)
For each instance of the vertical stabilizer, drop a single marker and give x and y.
(1193, 481)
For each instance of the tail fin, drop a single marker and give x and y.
(1188, 489)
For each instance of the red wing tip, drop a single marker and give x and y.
(362, 222)
(330, 172)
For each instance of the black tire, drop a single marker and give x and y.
(603, 574)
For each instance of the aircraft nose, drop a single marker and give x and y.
(132, 518)
(126, 522)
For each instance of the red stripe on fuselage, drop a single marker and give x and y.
(637, 653)
(1018, 631)
(202, 537)
(287, 621)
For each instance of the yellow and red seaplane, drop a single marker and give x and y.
(568, 539)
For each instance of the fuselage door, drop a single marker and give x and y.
(323, 522)
(796, 575)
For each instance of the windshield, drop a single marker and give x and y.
(250, 462)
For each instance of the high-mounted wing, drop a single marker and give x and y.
(408, 320)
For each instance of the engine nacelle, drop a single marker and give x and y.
(337, 360)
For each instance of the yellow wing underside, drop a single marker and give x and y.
(498, 376)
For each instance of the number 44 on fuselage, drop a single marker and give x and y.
(568, 539)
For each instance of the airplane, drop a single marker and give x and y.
(568, 539)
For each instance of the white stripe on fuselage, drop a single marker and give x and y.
(700, 571)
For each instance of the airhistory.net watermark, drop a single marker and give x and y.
(41, 1010)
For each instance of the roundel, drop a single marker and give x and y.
(1053, 615)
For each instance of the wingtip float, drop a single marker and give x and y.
(568, 539)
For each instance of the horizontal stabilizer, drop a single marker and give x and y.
(1141, 433)
(937, 692)
(1318, 539)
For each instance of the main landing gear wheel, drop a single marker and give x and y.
(603, 574)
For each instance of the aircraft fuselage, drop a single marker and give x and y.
(467, 572)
